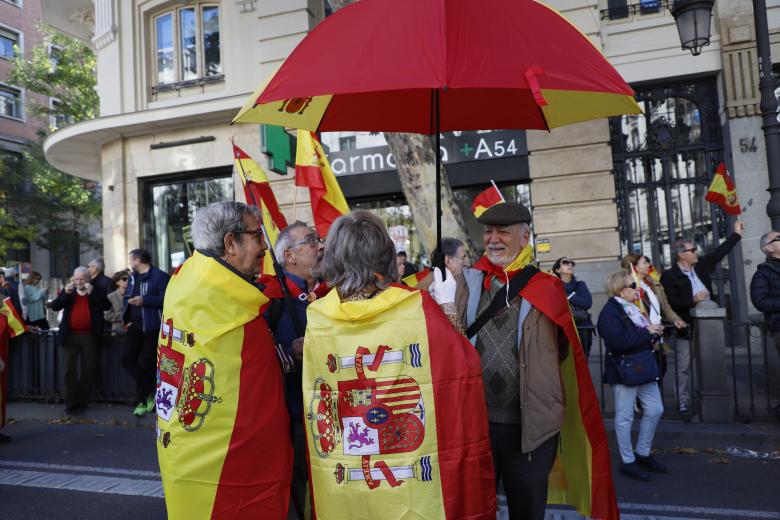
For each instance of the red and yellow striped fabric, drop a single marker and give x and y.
(582, 473)
(486, 200)
(396, 416)
(11, 325)
(312, 169)
(222, 424)
(413, 279)
(258, 192)
(723, 192)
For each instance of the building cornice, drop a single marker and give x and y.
(76, 149)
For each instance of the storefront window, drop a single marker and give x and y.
(170, 208)
(397, 216)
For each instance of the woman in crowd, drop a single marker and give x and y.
(580, 300)
(113, 317)
(384, 356)
(35, 299)
(455, 260)
(653, 298)
(632, 370)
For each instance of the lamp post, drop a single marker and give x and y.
(693, 24)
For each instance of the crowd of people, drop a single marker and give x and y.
(497, 323)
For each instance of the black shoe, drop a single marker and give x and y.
(650, 464)
(4, 439)
(633, 471)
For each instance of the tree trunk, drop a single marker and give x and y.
(415, 161)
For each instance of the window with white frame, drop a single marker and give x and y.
(10, 102)
(8, 39)
(186, 42)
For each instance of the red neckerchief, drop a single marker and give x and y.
(273, 289)
(491, 270)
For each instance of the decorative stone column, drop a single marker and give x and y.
(716, 402)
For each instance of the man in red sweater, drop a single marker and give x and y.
(80, 332)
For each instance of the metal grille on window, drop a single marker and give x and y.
(664, 160)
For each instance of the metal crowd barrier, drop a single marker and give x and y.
(36, 369)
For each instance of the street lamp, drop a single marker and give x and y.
(693, 23)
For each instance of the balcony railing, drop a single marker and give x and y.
(644, 7)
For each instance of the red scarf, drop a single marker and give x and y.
(273, 289)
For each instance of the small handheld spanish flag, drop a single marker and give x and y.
(487, 199)
(313, 170)
(723, 192)
(15, 322)
(258, 192)
(413, 279)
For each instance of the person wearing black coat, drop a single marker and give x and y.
(686, 283)
(580, 300)
(81, 328)
(626, 330)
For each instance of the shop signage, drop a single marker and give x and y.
(456, 147)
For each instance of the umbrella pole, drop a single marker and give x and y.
(437, 122)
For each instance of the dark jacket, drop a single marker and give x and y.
(283, 329)
(105, 283)
(582, 298)
(620, 336)
(678, 287)
(765, 292)
(98, 303)
(151, 286)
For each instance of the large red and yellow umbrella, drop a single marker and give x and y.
(381, 65)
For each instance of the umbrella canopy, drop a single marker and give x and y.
(379, 65)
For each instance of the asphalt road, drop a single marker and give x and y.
(99, 471)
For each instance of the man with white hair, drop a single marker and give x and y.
(97, 269)
(223, 430)
(80, 330)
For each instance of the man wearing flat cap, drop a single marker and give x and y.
(525, 337)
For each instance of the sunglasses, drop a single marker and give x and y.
(776, 239)
(632, 285)
(568, 262)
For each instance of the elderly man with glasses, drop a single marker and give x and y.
(223, 430)
(686, 283)
(298, 249)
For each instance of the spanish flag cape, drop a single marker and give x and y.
(222, 424)
(11, 325)
(582, 474)
(395, 412)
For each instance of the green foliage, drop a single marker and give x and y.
(38, 202)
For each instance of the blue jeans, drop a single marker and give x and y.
(652, 407)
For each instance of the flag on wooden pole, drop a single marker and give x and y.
(312, 170)
(258, 192)
(723, 192)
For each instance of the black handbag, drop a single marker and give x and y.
(636, 369)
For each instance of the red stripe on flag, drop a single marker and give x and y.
(238, 153)
(395, 382)
(468, 490)
(309, 177)
(267, 195)
(255, 478)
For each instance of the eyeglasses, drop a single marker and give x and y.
(632, 285)
(568, 262)
(776, 239)
(310, 240)
(691, 250)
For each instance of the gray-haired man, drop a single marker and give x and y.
(686, 283)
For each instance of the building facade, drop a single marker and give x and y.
(172, 74)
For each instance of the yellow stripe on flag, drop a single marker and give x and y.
(572, 106)
(15, 324)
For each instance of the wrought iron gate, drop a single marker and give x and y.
(664, 160)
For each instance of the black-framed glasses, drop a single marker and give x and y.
(776, 239)
(568, 262)
(690, 250)
(310, 240)
(632, 285)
